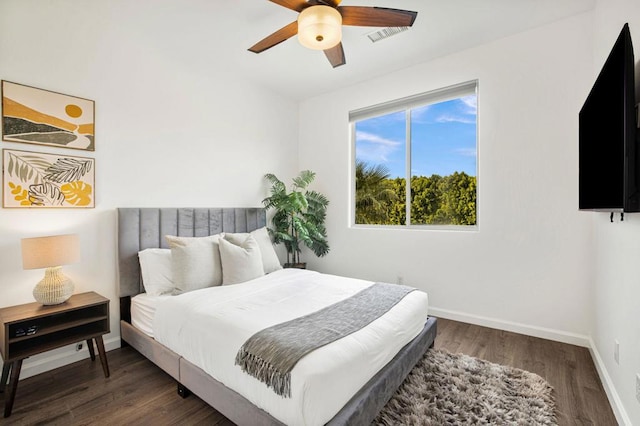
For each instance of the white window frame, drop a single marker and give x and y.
(406, 104)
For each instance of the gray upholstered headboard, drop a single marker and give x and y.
(142, 228)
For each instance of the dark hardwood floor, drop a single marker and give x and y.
(139, 393)
(580, 397)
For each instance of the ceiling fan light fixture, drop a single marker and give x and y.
(319, 27)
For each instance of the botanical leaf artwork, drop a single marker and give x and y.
(46, 180)
(77, 193)
(21, 195)
(67, 170)
(45, 194)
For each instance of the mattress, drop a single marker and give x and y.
(143, 309)
(208, 326)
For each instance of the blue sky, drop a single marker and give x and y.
(443, 139)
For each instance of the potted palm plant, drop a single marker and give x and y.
(299, 217)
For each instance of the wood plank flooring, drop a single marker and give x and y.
(139, 393)
(580, 397)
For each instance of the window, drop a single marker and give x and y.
(415, 159)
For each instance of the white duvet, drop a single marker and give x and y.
(208, 326)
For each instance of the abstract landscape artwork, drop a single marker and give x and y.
(37, 116)
(37, 180)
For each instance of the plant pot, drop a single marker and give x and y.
(299, 265)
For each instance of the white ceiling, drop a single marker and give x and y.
(226, 29)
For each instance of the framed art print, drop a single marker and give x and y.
(38, 180)
(37, 116)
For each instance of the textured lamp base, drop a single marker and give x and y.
(55, 287)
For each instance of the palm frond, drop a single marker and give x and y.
(277, 186)
(304, 179)
(299, 215)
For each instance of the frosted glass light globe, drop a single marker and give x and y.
(319, 27)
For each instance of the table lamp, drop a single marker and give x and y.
(51, 253)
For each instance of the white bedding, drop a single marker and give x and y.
(208, 326)
(143, 309)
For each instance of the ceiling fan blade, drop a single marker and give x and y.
(278, 37)
(364, 16)
(297, 5)
(335, 55)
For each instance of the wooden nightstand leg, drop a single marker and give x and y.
(92, 352)
(103, 355)
(6, 368)
(13, 387)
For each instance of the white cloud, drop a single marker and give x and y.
(466, 152)
(471, 104)
(448, 118)
(374, 148)
(375, 139)
(466, 111)
(419, 114)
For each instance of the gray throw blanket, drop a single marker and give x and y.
(270, 354)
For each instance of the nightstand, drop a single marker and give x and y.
(33, 328)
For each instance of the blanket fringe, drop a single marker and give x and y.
(265, 372)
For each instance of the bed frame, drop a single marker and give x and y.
(141, 228)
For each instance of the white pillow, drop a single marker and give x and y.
(155, 267)
(241, 262)
(270, 260)
(195, 262)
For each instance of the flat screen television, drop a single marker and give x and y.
(608, 163)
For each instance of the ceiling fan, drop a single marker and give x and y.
(319, 25)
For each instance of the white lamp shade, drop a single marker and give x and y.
(319, 27)
(44, 252)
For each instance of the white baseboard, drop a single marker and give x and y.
(54, 359)
(614, 399)
(529, 330)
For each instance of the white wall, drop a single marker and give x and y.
(173, 128)
(524, 269)
(616, 296)
(536, 265)
(172, 122)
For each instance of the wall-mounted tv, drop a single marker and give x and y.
(608, 163)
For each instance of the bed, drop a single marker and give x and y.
(143, 228)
